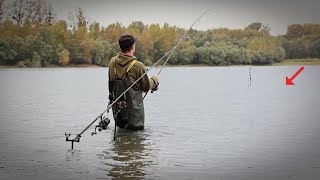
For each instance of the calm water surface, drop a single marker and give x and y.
(203, 123)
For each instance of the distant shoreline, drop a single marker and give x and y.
(287, 62)
(298, 62)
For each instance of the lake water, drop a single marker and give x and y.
(203, 123)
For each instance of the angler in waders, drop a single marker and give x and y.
(124, 70)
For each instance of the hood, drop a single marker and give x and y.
(124, 60)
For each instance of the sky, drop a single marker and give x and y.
(278, 14)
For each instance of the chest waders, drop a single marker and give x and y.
(128, 111)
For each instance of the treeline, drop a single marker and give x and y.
(31, 36)
(302, 41)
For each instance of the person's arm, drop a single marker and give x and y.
(144, 81)
(147, 84)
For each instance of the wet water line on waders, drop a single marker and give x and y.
(104, 121)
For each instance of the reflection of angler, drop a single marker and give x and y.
(129, 157)
(118, 102)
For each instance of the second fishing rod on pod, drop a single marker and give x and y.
(104, 120)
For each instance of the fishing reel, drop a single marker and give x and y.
(156, 87)
(103, 124)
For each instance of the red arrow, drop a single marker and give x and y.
(289, 80)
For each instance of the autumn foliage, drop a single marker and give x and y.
(33, 37)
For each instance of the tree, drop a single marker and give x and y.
(49, 16)
(187, 55)
(17, 11)
(316, 49)
(158, 51)
(265, 29)
(36, 60)
(294, 31)
(202, 38)
(35, 10)
(113, 32)
(47, 55)
(59, 32)
(7, 54)
(266, 50)
(26, 28)
(256, 26)
(102, 52)
(94, 29)
(20, 10)
(27, 38)
(154, 30)
(7, 29)
(138, 25)
(64, 57)
(211, 55)
(301, 41)
(146, 43)
(78, 18)
(167, 37)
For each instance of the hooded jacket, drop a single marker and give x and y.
(119, 65)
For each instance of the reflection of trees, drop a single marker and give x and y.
(127, 158)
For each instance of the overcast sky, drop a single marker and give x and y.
(278, 14)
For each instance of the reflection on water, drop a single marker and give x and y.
(72, 155)
(127, 154)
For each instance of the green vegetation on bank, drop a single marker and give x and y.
(289, 62)
(32, 37)
(286, 62)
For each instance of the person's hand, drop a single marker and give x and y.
(155, 87)
(155, 78)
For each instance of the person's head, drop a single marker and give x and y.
(127, 43)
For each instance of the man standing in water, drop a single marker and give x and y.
(124, 70)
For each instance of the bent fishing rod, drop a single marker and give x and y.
(105, 119)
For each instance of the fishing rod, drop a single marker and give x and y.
(101, 117)
(110, 104)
